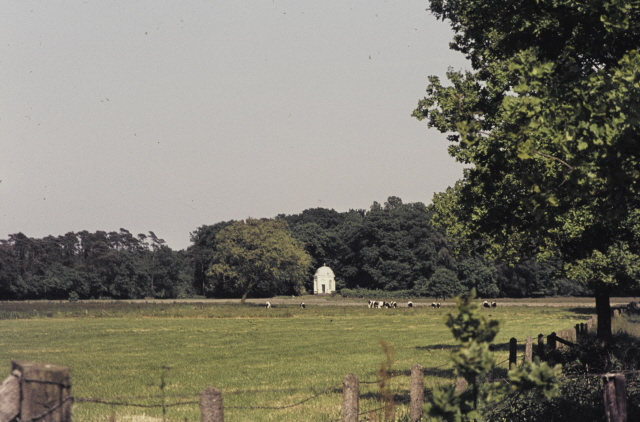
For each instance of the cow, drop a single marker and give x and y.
(486, 304)
(267, 305)
(394, 305)
(433, 304)
(302, 305)
(438, 305)
(410, 304)
(375, 304)
(494, 305)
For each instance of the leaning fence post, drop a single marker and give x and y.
(417, 393)
(513, 351)
(211, 409)
(615, 397)
(45, 391)
(528, 349)
(350, 398)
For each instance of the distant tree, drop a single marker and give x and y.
(258, 257)
(444, 284)
(480, 274)
(202, 250)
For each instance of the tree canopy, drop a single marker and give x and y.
(258, 257)
(547, 121)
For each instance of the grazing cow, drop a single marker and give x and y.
(438, 305)
(410, 304)
(394, 305)
(486, 304)
(494, 305)
(433, 304)
(375, 304)
(267, 305)
(302, 305)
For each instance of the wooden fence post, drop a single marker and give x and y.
(45, 391)
(350, 398)
(513, 351)
(417, 393)
(528, 349)
(541, 345)
(211, 409)
(577, 332)
(10, 397)
(563, 334)
(615, 397)
(551, 341)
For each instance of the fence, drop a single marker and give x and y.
(41, 392)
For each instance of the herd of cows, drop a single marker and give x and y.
(378, 304)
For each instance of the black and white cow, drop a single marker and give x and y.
(486, 304)
(410, 304)
(267, 305)
(302, 305)
(494, 305)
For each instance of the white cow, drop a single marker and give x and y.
(267, 305)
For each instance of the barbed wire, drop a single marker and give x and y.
(324, 391)
(148, 406)
(48, 412)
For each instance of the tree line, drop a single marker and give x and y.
(392, 247)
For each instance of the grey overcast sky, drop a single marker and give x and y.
(169, 115)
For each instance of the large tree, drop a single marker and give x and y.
(547, 122)
(258, 257)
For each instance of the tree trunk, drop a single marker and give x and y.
(244, 298)
(603, 310)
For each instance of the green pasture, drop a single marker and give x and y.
(155, 354)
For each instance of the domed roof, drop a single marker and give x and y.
(324, 271)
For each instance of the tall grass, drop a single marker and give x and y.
(169, 353)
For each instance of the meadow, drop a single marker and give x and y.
(167, 353)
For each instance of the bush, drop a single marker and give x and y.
(581, 396)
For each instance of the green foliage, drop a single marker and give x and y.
(258, 257)
(469, 325)
(444, 284)
(579, 397)
(100, 264)
(548, 121)
(473, 361)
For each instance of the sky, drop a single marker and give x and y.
(165, 116)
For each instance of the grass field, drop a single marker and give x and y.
(124, 353)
